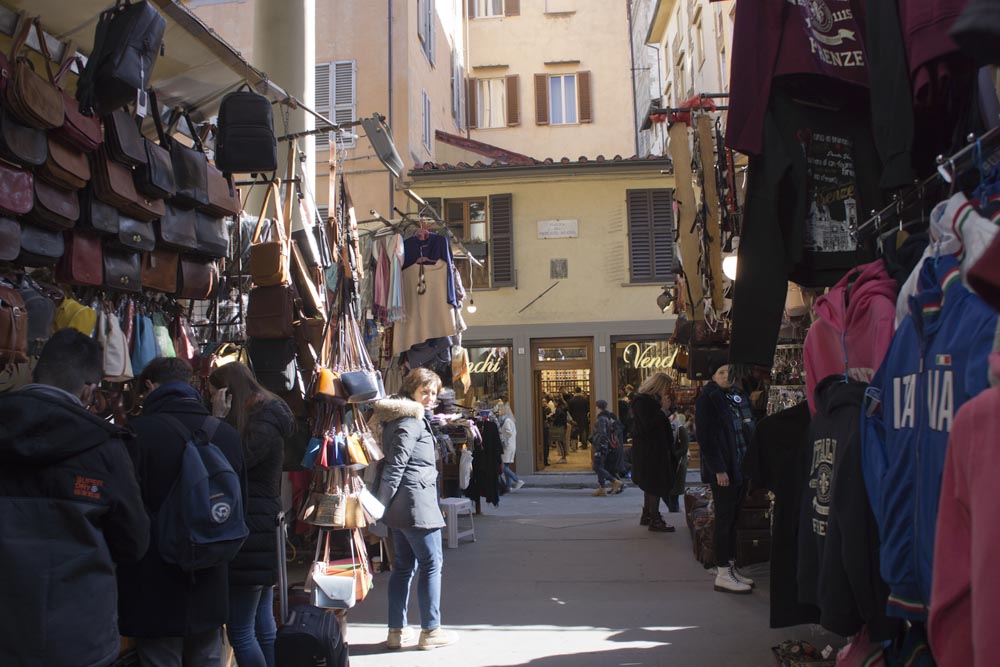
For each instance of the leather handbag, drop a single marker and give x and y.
(222, 200)
(37, 101)
(83, 260)
(273, 363)
(159, 270)
(66, 167)
(135, 234)
(10, 239)
(83, 132)
(13, 327)
(213, 236)
(156, 177)
(54, 207)
(17, 190)
(96, 215)
(20, 144)
(190, 167)
(176, 229)
(269, 260)
(271, 312)
(309, 332)
(123, 140)
(246, 142)
(40, 246)
(113, 181)
(197, 279)
(117, 360)
(122, 270)
(144, 348)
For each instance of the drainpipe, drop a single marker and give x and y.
(631, 55)
(389, 208)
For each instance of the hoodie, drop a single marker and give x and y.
(70, 509)
(966, 594)
(937, 362)
(854, 327)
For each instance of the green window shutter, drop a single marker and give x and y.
(502, 240)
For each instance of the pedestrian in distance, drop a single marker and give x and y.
(508, 436)
(559, 430)
(682, 441)
(607, 438)
(578, 407)
(654, 464)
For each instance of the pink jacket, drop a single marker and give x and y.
(965, 596)
(855, 336)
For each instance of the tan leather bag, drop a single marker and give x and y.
(222, 199)
(269, 260)
(159, 270)
(37, 101)
(13, 327)
(66, 166)
(113, 181)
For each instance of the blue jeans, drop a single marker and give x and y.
(603, 474)
(511, 476)
(415, 549)
(251, 628)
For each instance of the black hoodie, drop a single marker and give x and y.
(838, 538)
(70, 509)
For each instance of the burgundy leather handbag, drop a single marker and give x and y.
(83, 261)
(17, 190)
(82, 132)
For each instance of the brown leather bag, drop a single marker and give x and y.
(197, 279)
(66, 167)
(123, 139)
(222, 199)
(54, 207)
(13, 327)
(145, 208)
(17, 191)
(309, 332)
(82, 262)
(269, 260)
(271, 312)
(32, 98)
(82, 132)
(113, 181)
(159, 270)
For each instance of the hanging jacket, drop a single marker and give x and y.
(937, 362)
(966, 593)
(854, 327)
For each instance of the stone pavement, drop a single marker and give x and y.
(558, 578)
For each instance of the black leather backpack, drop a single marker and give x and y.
(246, 141)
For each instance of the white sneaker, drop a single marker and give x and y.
(436, 638)
(399, 637)
(518, 484)
(726, 582)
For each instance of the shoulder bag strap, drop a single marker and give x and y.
(43, 47)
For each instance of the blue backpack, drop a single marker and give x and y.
(201, 522)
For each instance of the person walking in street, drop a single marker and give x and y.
(176, 617)
(263, 421)
(407, 487)
(71, 510)
(725, 426)
(607, 439)
(654, 465)
(579, 409)
(548, 409)
(559, 431)
(508, 436)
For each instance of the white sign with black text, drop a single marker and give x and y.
(558, 229)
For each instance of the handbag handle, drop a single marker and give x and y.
(69, 58)
(43, 47)
(279, 222)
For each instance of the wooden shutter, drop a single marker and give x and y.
(541, 99)
(502, 240)
(324, 105)
(651, 234)
(513, 101)
(344, 97)
(586, 97)
(663, 234)
(471, 103)
(472, 9)
(512, 8)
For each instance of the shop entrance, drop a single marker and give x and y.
(563, 369)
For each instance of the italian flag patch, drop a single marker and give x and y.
(943, 360)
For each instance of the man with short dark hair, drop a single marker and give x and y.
(176, 617)
(70, 509)
(579, 409)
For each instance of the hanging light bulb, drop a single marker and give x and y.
(729, 266)
(472, 306)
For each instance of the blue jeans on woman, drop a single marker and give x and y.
(415, 549)
(511, 476)
(251, 628)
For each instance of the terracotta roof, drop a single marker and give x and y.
(486, 150)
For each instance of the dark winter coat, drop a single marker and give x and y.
(158, 599)
(268, 425)
(654, 462)
(579, 409)
(682, 441)
(70, 509)
(720, 447)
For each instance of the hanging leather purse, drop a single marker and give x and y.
(82, 132)
(271, 312)
(213, 236)
(273, 363)
(269, 260)
(23, 145)
(159, 270)
(176, 229)
(123, 140)
(197, 279)
(146, 209)
(54, 207)
(190, 166)
(113, 181)
(156, 177)
(222, 201)
(122, 270)
(13, 327)
(66, 167)
(83, 260)
(10, 239)
(17, 191)
(39, 246)
(33, 98)
(135, 234)
(96, 215)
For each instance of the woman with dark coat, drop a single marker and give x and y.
(263, 421)
(654, 464)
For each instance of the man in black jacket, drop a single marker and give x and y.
(70, 510)
(175, 616)
(579, 409)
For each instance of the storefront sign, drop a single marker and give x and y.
(647, 357)
(558, 229)
(491, 364)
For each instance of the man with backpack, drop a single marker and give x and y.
(607, 440)
(175, 602)
(70, 509)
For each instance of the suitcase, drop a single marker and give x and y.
(752, 547)
(753, 518)
(308, 636)
(703, 535)
(696, 497)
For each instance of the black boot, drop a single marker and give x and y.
(658, 525)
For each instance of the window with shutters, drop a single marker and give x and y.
(699, 37)
(336, 99)
(427, 120)
(485, 227)
(491, 103)
(651, 235)
(562, 100)
(486, 9)
(457, 76)
(425, 27)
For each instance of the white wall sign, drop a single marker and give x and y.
(558, 229)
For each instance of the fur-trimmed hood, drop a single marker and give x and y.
(390, 409)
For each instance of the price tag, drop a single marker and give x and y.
(141, 104)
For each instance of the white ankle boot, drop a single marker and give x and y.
(726, 581)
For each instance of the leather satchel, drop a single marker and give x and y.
(135, 234)
(39, 246)
(122, 270)
(82, 132)
(113, 181)
(82, 262)
(269, 260)
(176, 229)
(159, 270)
(96, 215)
(146, 208)
(37, 101)
(190, 167)
(17, 191)
(213, 236)
(21, 144)
(66, 167)
(54, 207)
(271, 312)
(156, 177)
(197, 279)
(10, 239)
(13, 327)
(222, 200)
(123, 140)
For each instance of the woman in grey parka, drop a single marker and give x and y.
(408, 489)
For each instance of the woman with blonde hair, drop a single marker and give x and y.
(654, 463)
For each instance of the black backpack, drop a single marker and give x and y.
(127, 42)
(246, 141)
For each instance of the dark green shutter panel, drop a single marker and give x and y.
(663, 233)
(639, 235)
(502, 240)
